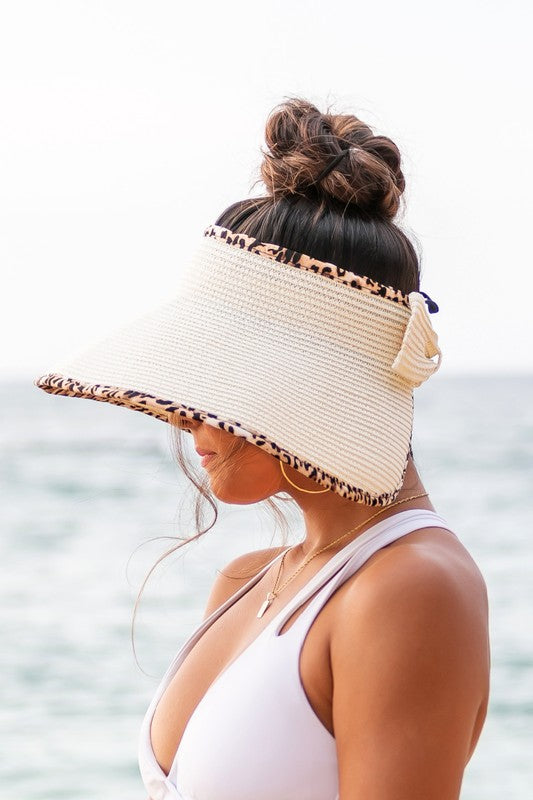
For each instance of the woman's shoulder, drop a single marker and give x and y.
(432, 559)
(421, 597)
(429, 567)
(236, 573)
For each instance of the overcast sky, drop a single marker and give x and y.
(127, 127)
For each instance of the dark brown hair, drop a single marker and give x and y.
(345, 217)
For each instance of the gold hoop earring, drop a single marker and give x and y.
(309, 491)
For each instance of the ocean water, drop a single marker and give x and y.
(84, 484)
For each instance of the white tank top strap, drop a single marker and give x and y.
(351, 558)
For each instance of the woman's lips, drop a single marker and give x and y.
(206, 459)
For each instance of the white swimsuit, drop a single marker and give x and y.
(254, 735)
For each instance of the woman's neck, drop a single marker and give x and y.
(328, 515)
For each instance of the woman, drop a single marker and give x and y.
(356, 663)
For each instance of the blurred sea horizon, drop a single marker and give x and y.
(85, 484)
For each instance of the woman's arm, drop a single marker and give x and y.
(410, 666)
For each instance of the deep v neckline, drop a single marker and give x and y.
(204, 626)
(308, 589)
(312, 584)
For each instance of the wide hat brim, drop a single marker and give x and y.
(306, 360)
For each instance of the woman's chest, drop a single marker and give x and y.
(222, 644)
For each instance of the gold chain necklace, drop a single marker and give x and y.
(274, 593)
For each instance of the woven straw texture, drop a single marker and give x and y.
(314, 371)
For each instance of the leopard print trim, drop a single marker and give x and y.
(302, 261)
(164, 410)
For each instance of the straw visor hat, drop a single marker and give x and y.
(309, 361)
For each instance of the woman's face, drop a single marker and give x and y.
(239, 472)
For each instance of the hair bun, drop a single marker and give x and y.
(302, 143)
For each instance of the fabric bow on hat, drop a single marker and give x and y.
(414, 361)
